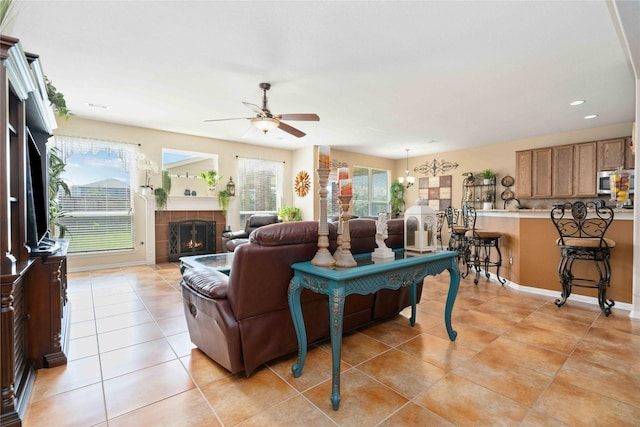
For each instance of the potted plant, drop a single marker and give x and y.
(396, 193)
(224, 198)
(487, 200)
(56, 169)
(487, 175)
(211, 177)
(161, 194)
(289, 214)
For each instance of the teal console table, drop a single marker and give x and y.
(407, 269)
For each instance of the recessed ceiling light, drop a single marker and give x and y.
(578, 102)
(591, 116)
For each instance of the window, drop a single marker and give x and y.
(98, 215)
(370, 191)
(259, 187)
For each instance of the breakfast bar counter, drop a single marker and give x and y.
(530, 256)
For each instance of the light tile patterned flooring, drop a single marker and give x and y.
(518, 360)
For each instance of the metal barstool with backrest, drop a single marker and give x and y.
(457, 241)
(440, 222)
(483, 249)
(582, 227)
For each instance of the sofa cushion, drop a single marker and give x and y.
(206, 281)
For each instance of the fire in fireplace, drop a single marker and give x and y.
(191, 237)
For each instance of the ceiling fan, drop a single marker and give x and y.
(265, 120)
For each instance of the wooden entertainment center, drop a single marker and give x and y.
(34, 313)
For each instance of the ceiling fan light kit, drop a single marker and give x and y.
(265, 124)
(265, 121)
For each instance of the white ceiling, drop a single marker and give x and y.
(383, 76)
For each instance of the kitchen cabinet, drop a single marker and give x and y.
(585, 172)
(541, 172)
(629, 156)
(562, 167)
(523, 174)
(612, 154)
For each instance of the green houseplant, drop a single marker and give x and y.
(396, 193)
(224, 198)
(56, 169)
(162, 194)
(487, 175)
(211, 177)
(289, 214)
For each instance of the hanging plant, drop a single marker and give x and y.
(5, 9)
(223, 199)
(162, 194)
(57, 100)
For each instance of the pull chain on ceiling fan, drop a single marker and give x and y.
(265, 121)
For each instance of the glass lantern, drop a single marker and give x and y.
(420, 229)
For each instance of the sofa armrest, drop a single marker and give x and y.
(206, 281)
(235, 235)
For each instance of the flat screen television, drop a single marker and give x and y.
(37, 197)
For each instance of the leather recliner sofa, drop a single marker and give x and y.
(243, 320)
(231, 239)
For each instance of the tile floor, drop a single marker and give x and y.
(518, 360)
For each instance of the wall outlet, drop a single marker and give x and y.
(510, 260)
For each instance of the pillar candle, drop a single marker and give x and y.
(323, 156)
(345, 187)
(343, 173)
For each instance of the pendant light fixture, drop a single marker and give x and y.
(407, 180)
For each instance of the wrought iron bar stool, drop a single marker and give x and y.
(480, 247)
(440, 223)
(457, 239)
(582, 227)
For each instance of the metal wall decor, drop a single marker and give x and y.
(302, 183)
(334, 164)
(435, 167)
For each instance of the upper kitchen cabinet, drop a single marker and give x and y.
(615, 153)
(523, 174)
(562, 171)
(629, 156)
(584, 169)
(541, 172)
(562, 166)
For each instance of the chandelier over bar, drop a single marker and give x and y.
(435, 168)
(407, 180)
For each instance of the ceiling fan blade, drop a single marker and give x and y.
(290, 129)
(301, 117)
(255, 109)
(251, 132)
(234, 118)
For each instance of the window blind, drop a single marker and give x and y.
(98, 214)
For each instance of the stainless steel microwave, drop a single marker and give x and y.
(604, 186)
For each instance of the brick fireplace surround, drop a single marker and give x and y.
(163, 218)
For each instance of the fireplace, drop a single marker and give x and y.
(191, 237)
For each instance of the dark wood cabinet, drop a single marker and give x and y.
(32, 334)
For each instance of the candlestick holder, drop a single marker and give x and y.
(323, 257)
(336, 254)
(345, 258)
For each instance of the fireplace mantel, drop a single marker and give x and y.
(189, 203)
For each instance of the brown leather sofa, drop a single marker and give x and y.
(243, 320)
(231, 239)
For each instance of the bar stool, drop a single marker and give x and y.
(480, 245)
(582, 227)
(440, 222)
(457, 240)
